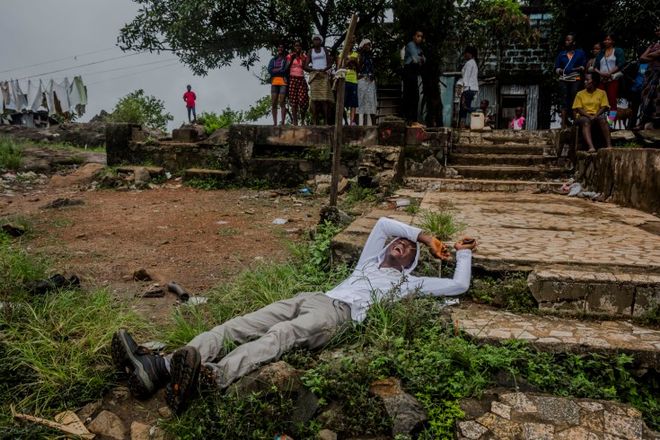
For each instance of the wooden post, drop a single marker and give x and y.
(337, 138)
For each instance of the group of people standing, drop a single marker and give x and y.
(606, 67)
(288, 83)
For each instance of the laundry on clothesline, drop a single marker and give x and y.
(56, 98)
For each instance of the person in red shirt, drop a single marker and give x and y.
(189, 97)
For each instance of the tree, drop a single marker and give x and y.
(492, 26)
(137, 108)
(213, 121)
(207, 34)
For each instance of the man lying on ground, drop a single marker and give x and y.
(306, 320)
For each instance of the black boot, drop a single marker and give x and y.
(147, 371)
(184, 367)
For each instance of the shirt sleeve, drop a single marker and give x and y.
(577, 102)
(384, 228)
(457, 285)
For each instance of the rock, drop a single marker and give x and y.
(142, 275)
(13, 230)
(141, 177)
(165, 412)
(87, 412)
(334, 215)
(322, 188)
(154, 291)
(38, 165)
(326, 434)
(63, 202)
(120, 393)
(285, 379)
(471, 429)
(84, 175)
(622, 135)
(408, 415)
(109, 425)
(140, 431)
(343, 185)
(219, 137)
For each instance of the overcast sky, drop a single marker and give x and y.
(40, 31)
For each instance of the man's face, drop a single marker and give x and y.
(589, 82)
(568, 42)
(297, 47)
(596, 49)
(316, 42)
(403, 252)
(418, 37)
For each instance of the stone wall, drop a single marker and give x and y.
(627, 176)
(88, 134)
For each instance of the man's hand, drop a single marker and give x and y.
(466, 243)
(439, 250)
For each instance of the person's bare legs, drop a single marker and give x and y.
(605, 130)
(273, 106)
(585, 123)
(282, 107)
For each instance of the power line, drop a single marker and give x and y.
(80, 65)
(58, 59)
(126, 67)
(174, 63)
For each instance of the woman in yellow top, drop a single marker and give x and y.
(278, 68)
(591, 106)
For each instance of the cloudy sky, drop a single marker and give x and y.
(66, 36)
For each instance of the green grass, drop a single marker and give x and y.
(10, 154)
(358, 194)
(509, 291)
(54, 349)
(440, 224)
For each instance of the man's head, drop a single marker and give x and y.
(316, 41)
(484, 104)
(519, 112)
(280, 50)
(591, 81)
(400, 253)
(365, 45)
(470, 53)
(608, 41)
(188, 87)
(569, 41)
(418, 36)
(297, 46)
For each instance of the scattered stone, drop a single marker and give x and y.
(408, 415)
(13, 230)
(280, 221)
(343, 185)
(63, 202)
(142, 275)
(197, 300)
(84, 175)
(140, 431)
(87, 412)
(285, 379)
(120, 393)
(326, 434)
(165, 412)
(109, 425)
(471, 429)
(141, 177)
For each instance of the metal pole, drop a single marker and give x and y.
(337, 138)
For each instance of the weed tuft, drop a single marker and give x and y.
(441, 224)
(10, 154)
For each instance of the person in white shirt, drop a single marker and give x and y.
(470, 83)
(306, 320)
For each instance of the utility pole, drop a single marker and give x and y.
(337, 138)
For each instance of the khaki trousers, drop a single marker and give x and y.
(307, 320)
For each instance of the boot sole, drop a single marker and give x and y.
(185, 368)
(123, 356)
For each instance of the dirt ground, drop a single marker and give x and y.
(197, 238)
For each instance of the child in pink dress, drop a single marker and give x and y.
(518, 122)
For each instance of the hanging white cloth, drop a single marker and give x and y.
(19, 97)
(6, 95)
(78, 95)
(50, 97)
(62, 95)
(34, 95)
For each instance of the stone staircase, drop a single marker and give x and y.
(506, 154)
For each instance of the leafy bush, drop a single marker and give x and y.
(137, 108)
(213, 121)
(10, 154)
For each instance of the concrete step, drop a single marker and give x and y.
(153, 171)
(554, 334)
(508, 172)
(601, 291)
(499, 159)
(513, 148)
(204, 173)
(480, 185)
